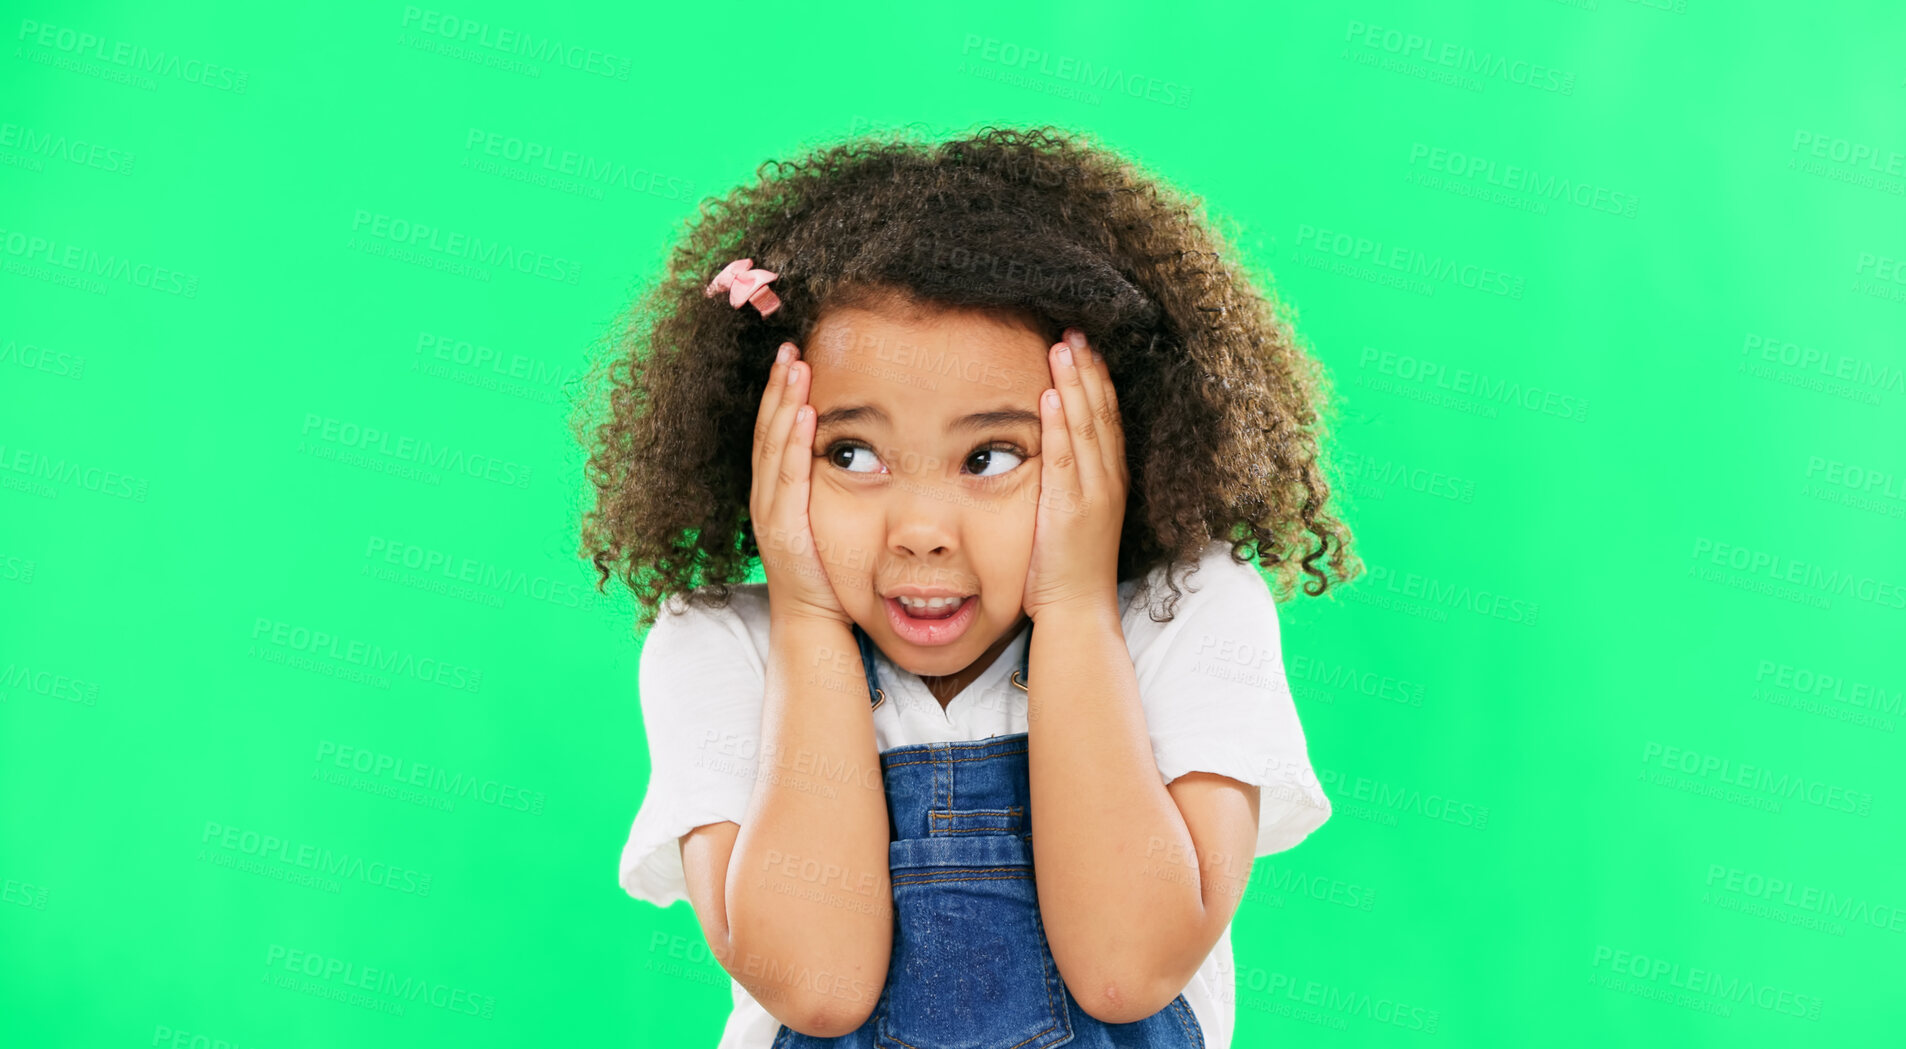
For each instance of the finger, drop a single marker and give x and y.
(772, 397)
(775, 439)
(1112, 408)
(1081, 427)
(795, 468)
(1115, 421)
(1058, 465)
(1098, 396)
(786, 355)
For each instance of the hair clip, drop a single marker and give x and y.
(743, 283)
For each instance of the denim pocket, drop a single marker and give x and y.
(970, 967)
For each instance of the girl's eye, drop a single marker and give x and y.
(991, 457)
(842, 455)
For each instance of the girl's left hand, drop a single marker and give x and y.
(1082, 484)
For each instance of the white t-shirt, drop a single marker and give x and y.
(1211, 682)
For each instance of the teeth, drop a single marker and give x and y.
(930, 604)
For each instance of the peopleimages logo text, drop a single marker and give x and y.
(478, 33)
(128, 55)
(470, 247)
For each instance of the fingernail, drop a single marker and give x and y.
(1065, 355)
(790, 375)
(1076, 338)
(781, 355)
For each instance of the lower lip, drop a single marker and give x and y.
(931, 631)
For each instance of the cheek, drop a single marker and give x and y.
(830, 515)
(1019, 523)
(1009, 534)
(840, 528)
(825, 510)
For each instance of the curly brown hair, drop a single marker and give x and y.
(1222, 407)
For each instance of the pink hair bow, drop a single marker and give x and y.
(743, 283)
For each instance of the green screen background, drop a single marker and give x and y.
(1613, 727)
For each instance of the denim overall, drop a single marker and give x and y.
(970, 966)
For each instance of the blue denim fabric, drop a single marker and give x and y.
(970, 966)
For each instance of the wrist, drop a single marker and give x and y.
(1083, 613)
(806, 618)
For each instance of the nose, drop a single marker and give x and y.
(919, 537)
(921, 527)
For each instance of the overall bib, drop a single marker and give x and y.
(970, 966)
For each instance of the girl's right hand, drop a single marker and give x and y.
(777, 500)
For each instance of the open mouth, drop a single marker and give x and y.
(935, 621)
(932, 608)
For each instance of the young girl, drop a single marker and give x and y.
(945, 393)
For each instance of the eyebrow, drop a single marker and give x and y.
(998, 417)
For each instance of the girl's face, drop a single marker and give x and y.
(926, 477)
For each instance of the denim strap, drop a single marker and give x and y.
(867, 651)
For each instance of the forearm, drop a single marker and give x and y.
(808, 893)
(1103, 820)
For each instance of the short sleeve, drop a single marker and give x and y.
(1216, 700)
(701, 682)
